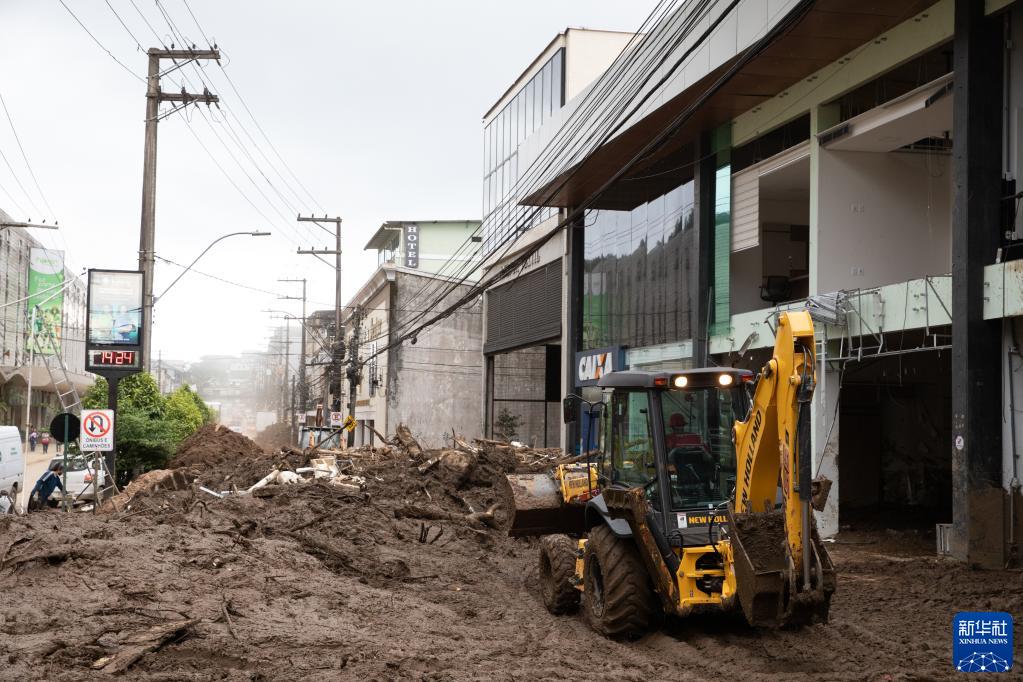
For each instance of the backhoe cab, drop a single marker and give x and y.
(703, 503)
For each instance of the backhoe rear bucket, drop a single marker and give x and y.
(764, 580)
(539, 509)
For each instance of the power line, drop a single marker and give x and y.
(571, 133)
(668, 131)
(566, 136)
(25, 157)
(229, 127)
(101, 45)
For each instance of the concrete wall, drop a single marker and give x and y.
(589, 53)
(371, 402)
(883, 218)
(433, 386)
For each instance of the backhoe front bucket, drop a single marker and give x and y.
(539, 509)
(765, 584)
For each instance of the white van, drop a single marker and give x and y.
(12, 462)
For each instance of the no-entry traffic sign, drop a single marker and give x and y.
(97, 430)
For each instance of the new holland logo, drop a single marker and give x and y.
(592, 367)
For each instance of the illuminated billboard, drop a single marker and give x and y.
(115, 308)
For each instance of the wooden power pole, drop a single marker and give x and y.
(354, 368)
(147, 234)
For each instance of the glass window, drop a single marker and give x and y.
(632, 450)
(698, 441)
(509, 109)
(528, 92)
(502, 141)
(521, 97)
(543, 78)
(493, 145)
(486, 150)
(534, 85)
(722, 249)
(559, 75)
(549, 84)
(486, 195)
(513, 171)
(641, 267)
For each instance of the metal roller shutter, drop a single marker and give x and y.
(525, 311)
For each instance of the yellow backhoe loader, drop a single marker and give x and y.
(700, 498)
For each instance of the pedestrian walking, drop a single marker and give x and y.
(47, 483)
(45, 440)
(32, 438)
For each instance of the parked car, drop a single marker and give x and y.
(12, 465)
(80, 475)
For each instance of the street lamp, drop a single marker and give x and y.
(183, 272)
(42, 226)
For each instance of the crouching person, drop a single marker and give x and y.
(45, 486)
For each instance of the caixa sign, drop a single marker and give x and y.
(593, 364)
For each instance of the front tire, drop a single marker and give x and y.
(557, 569)
(619, 599)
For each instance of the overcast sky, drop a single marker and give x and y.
(374, 106)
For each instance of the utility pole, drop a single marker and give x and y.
(337, 349)
(287, 360)
(354, 369)
(147, 233)
(302, 386)
(294, 435)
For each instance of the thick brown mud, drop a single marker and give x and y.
(314, 581)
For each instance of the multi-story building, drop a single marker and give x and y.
(16, 370)
(523, 348)
(431, 382)
(854, 159)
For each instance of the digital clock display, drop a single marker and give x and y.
(114, 359)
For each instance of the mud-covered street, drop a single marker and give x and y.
(317, 581)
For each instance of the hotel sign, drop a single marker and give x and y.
(410, 233)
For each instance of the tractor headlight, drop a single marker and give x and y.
(725, 379)
(680, 382)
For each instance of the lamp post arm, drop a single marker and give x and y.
(197, 258)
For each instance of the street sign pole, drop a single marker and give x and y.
(63, 484)
(111, 456)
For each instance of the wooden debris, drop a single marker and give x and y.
(428, 464)
(48, 555)
(405, 439)
(136, 645)
(462, 445)
(477, 519)
(225, 610)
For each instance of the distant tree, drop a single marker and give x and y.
(182, 412)
(204, 409)
(149, 426)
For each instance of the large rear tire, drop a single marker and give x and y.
(557, 569)
(618, 595)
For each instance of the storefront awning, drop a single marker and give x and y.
(41, 380)
(826, 32)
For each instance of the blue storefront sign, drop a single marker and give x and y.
(590, 365)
